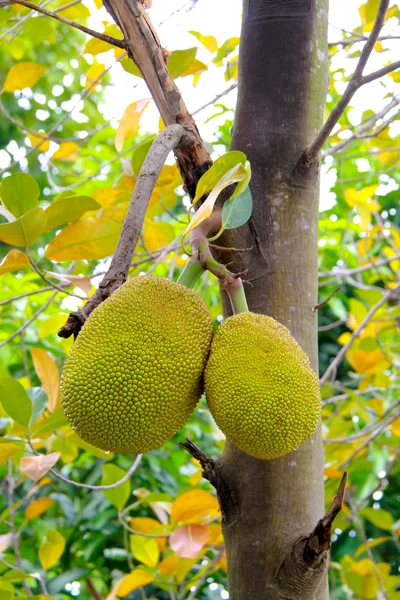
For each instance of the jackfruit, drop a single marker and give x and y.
(260, 387)
(135, 372)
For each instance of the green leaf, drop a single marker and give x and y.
(20, 193)
(129, 66)
(25, 230)
(68, 210)
(51, 548)
(119, 495)
(217, 170)
(39, 400)
(226, 48)
(15, 401)
(54, 421)
(380, 518)
(180, 61)
(140, 153)
(237, 210)
(368, 344)
(6, 590)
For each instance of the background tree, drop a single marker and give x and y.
(77, 522)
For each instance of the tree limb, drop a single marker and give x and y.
(145, 49)
(311, 154)
(169, 139)
(96, 34)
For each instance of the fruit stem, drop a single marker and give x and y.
(191, 273)
(237, 297)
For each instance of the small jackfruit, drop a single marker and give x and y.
(260, 387)
(135, 372)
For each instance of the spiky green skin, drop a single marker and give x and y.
(135, 372)
(260, 387)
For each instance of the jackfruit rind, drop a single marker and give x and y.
(135, 372)
(260, 387)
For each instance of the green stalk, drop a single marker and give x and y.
(191, 274)
(238, 300)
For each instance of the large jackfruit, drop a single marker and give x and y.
(260, 387)
(135, 372)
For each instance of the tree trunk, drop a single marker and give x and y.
(282, 88)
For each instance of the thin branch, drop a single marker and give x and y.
(169, 139)
(332, 325)
(101, 36)
(368, 390)
(355, 40)
(360, 526)
(380, 73)
(320, 539)
(147, 535)
(15, 298)
(340, 355)
(53, 285)
(387, 418)
(361, 447)
(26, 325)
(312, 152)
(217, 97)
(345, 272)
(206, 572)
(325, 302)
(20, 21)
(86, 486)
(10, 482)
(364, 127)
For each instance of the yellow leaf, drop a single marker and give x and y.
(395, 427)
(367, 363)
(145, 550)
(88, 239)
(194, 506)
(332, 473)
(37, 507)
(51, 548)
(109, 196)
(237, 173)
(76, 11)
(13, 261)
(377, 404)
(95, 72)
(47, 371)
(344, 338)
(98, 4)
(168, 565)
(51, 325)
(25, 230)
(157, 235)
(133, 580)
(95, 46)
(35, 139)
(148, 525)
(23, 75)
(215, 534)
(7, 451)
(129, 123)
(35, 467)
(394, 264)
(66, 151)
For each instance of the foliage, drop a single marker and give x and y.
(72, 176)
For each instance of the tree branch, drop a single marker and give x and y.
(100, 36)
(145, 49)
(311, 154)
(359, 133)
(380, 72)
(169, 139)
